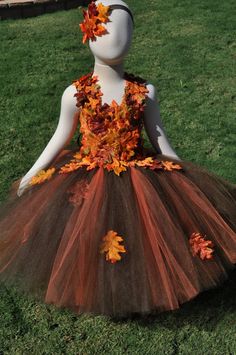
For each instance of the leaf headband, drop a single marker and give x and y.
(94, 18)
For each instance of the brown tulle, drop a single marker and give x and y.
(50, 237)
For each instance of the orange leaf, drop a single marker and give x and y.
(145, 162)
(94, 17)
(112, 247)
(73, 165)
(201, 246)
(78, 192)
(41, 176)
(78, 155)
(99, 30)
(169, 165)
(103, 12)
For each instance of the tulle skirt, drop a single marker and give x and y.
(51, 237)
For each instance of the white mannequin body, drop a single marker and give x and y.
(109, 51)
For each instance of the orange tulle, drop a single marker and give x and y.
(53, 248)
(113, 228)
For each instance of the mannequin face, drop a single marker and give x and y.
(112, 47)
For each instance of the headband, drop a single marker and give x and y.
(123, 8)
(95, 17)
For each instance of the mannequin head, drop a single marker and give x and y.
(113, 46)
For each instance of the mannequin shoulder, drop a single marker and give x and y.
(68, 97)
(152, 91)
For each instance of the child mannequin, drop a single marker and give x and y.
(109, 52)
(110, 229)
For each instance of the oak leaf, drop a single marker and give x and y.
(112, 247)
(73, 165)
(41, 176)
(169, 165)
(200, 246)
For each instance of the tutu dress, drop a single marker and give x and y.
(114, 228)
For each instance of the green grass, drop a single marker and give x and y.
(188, 50)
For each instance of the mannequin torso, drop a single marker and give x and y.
(109, 52)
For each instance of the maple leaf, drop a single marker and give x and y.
(145, 162)
(94, 17)
(112, 247)
(92, 165)
(103, 12)
(116, 166)
(94, 102)
(86, 160)
(92, 9)
(169, 165)
(87, 27)
(119, 169)
(99, 30)
(78, 155)
(41, 176)
(156, 165)
(200, 246)
(73, 165)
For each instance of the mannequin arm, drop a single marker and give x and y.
(64, 132)
(154, 126)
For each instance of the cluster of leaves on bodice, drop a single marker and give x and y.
(111, 134)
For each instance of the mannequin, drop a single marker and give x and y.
(109, 52)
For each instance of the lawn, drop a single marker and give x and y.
(188, 50)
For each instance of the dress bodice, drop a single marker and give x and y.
(111, 134)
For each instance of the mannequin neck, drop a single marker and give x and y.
(112, 74)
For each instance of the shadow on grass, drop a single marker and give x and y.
(204, 311)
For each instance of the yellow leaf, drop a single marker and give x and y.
(41, 176)
(112, 247)
(69, 167)
(169, 165)
(102, 13)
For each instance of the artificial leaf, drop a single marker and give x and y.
(78, 192)
(94, 18)
(72, 166)
(103, 12)
(145, 162)
(42, 176)
(112, 247)
(169, 165)
(200, 246)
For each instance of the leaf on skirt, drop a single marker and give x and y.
(112, 247)
(169, 165)
(116, 166)
(72, 166)
(200, 246)
(165, 165)
(78, 192)
(42, 176)
(145, 162)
